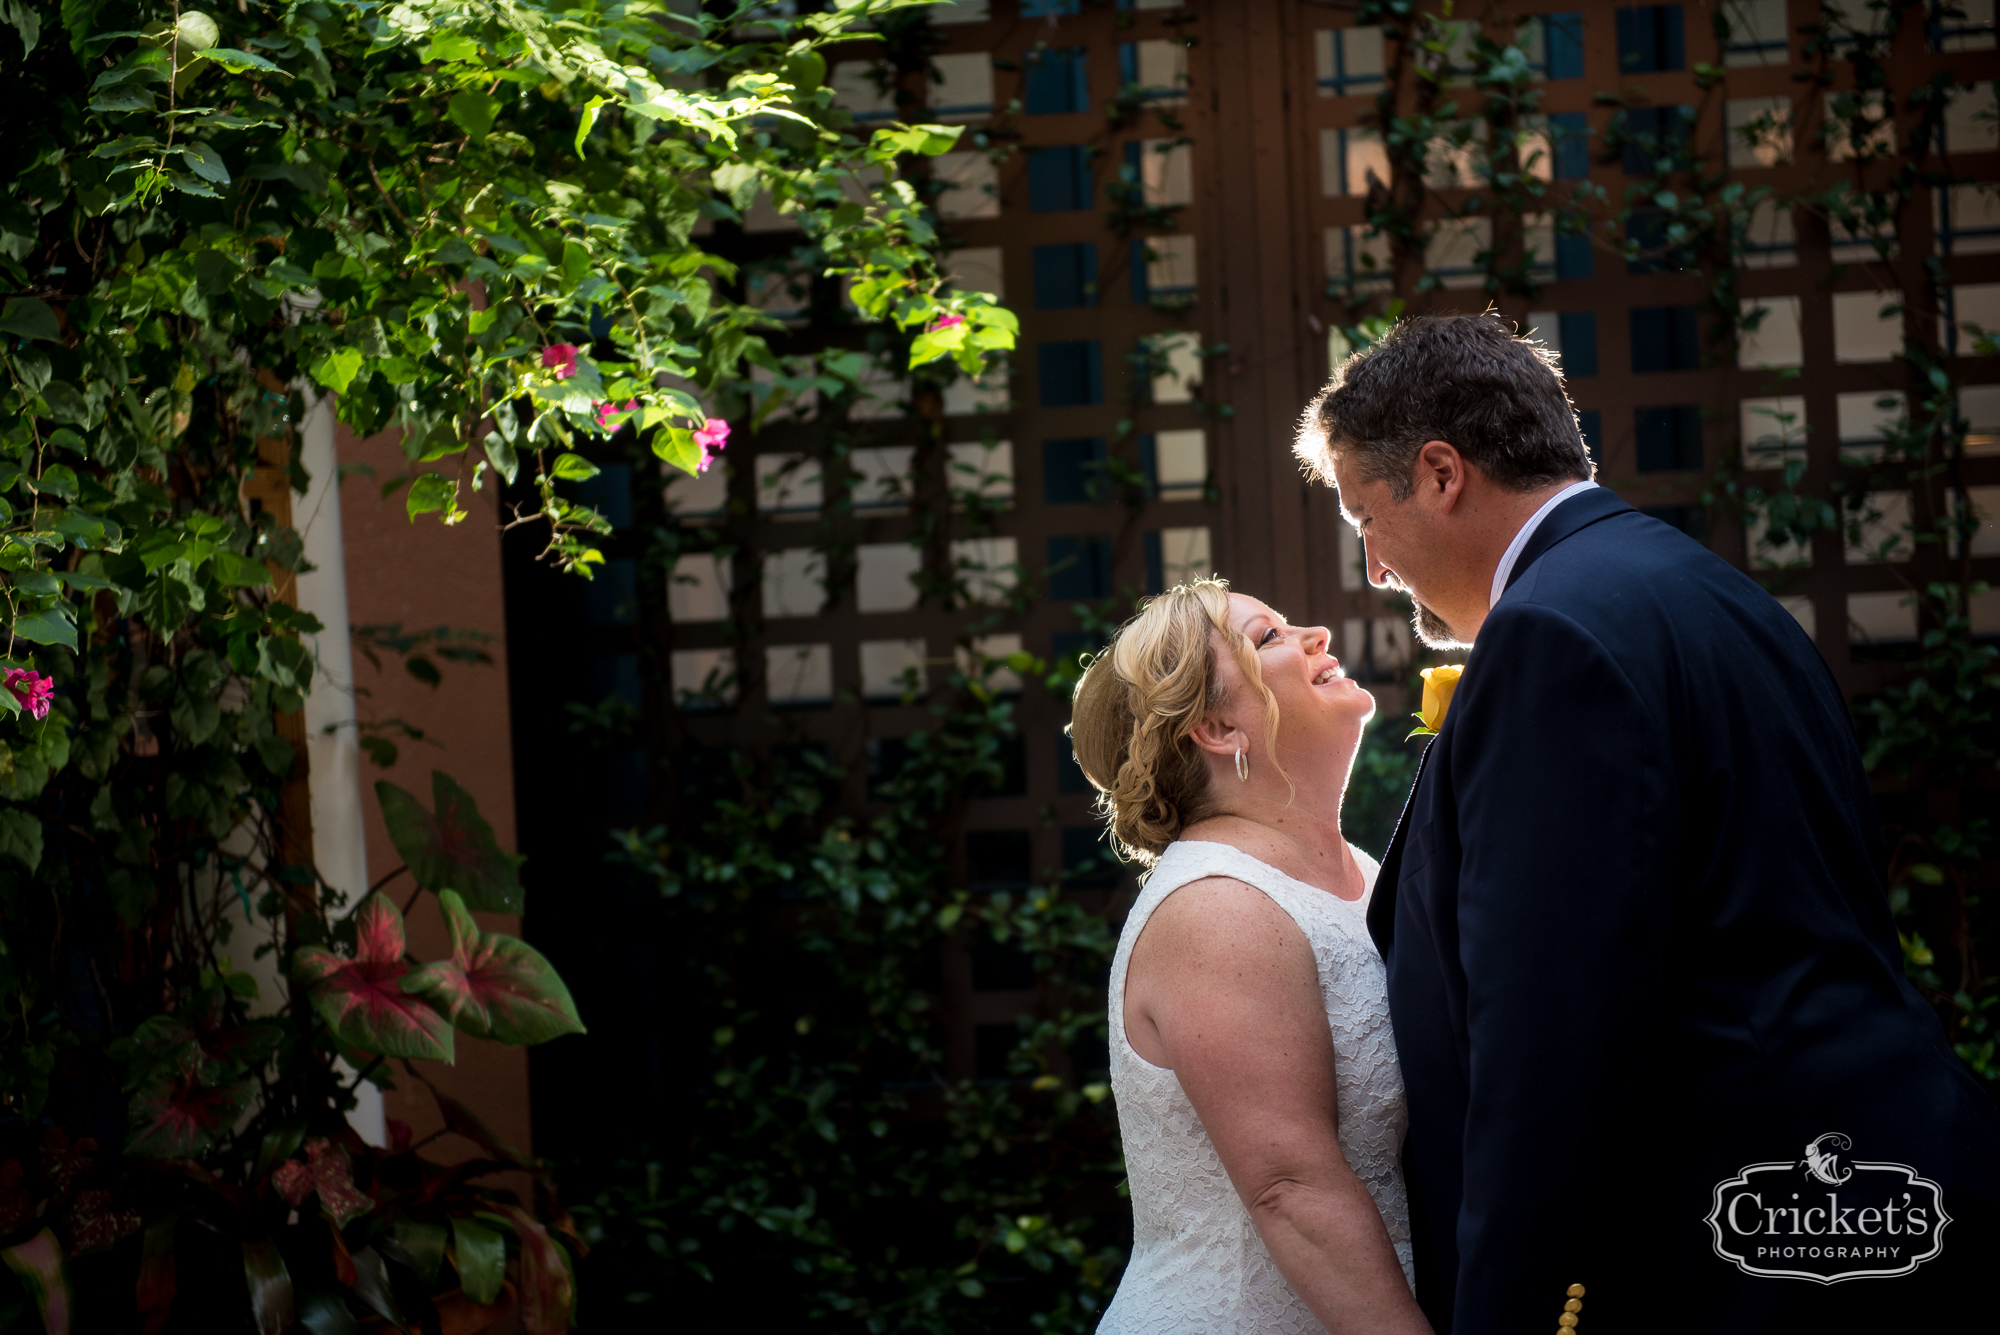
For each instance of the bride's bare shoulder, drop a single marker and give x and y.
(1213, 919)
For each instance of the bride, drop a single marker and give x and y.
(1251, 1056)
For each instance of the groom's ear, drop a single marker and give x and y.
(1441, 471)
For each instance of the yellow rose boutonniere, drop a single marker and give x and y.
(1439, 683)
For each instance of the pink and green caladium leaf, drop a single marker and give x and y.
(453, 849)
(494, 986)
(362, 1000)
(177, 1114)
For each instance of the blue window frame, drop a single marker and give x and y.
(1647, 134)
(1562, 45)
(1065, 276)
(1340, 83)
(1128, 76)
(1650, 40)
(1668, 439)
(1590, 423)
(1665, 338)
(1646, 229)
(1569, 144)
(1951, 232)
(1143, 290)
(1156, 563)
(1059, 179)
(1072, 470)
(1050, 9)
(1950, 28)
(1079, 568)
(1578, 331)
(1573, 256)
(1057, 81)
(1071, 373)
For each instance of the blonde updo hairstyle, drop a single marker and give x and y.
(1137, 705)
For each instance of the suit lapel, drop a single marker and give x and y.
(1382, 904)
(1573, 515)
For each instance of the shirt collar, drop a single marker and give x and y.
(1514, 548)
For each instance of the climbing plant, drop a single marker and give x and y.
(482, 229)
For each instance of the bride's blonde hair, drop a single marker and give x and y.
(1139, 701)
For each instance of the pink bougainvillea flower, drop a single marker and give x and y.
(561, 356)
(35, 692)
(712, 437)
(607, 411)
(946, 322)
(327, 1172)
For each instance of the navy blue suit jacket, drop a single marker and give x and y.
(1636, 940)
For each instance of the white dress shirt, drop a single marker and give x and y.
(1514, 548)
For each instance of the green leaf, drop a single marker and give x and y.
(362, 1000)
(21, 836)
(431, 491)
(29, 317)
(494, 986)
(574, 467)
(38, 1263)
(575, 263)
(50, 626)
(454, 849)
(177, 1115)
(206, 163)
(338, 368)
(501, 455)
(675, 445)
(283, 660)
(473, 112)
(425, 1244)
(738, 181)
(587, 120)
(449, 46)
(124, 97)
(239, 62)
(239, 572)
(928, 140)
(480, 1254)
(270, 1285)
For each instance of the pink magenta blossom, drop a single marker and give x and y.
(946, 322)
(712, 437)
(33, 691)
(607, 411)
(562, 356)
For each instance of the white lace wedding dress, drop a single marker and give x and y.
(1198, 1266)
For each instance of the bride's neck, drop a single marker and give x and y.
(1296, 830)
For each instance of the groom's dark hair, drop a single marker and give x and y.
(1464, 379)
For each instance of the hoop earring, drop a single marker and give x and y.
(1242, 766)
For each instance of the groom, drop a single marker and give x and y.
(1647, 994)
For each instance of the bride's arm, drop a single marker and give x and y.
(1222, 988)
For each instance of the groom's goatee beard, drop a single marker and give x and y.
(1431, 630)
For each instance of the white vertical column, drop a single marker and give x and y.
(340, 848)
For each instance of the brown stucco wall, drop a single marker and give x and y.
(424, 575)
